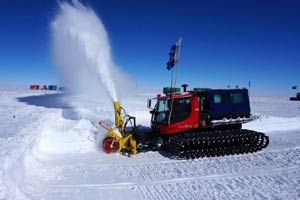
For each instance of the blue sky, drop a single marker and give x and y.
(223, 42)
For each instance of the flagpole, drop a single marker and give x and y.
(174, 58)
(172, 94)
(172, 78)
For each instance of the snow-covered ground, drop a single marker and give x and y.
(49, 149)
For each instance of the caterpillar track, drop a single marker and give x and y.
(215, 143)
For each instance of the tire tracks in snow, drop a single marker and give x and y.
(261, 184)
(202, 167)
(174, 180)
(139, 177)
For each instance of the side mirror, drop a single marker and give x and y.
(149, 103)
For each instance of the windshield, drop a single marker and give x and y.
(162, 113)
(181, 110)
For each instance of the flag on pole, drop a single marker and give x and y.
(174, 54)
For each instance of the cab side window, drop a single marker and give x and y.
(181, 109)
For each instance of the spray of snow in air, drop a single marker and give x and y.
(82, 51)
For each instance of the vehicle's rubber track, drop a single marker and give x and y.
(215, 143)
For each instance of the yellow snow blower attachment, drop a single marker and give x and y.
(118, 139)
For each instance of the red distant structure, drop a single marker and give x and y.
(34, 87)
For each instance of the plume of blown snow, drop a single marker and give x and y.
(82, 53)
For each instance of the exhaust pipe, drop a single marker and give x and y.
(184, 86)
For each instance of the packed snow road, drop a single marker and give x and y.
(50, 150)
